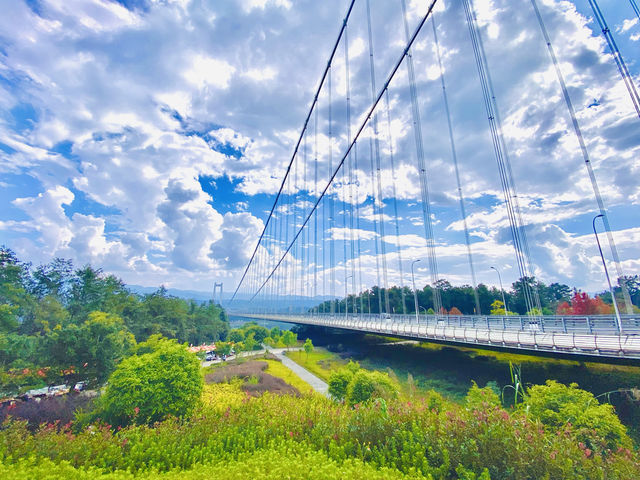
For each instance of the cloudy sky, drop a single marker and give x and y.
(148, 137)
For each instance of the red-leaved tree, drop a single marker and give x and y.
(582, 304)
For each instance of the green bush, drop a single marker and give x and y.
(366, 386)
(290, 460)
(578, 413)
(481, 397)
(165, 379)
(338, 384)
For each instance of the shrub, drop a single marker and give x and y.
(47, 410)
(479, 398)
(444, 443)
(149, 387)
(338, 384)
(558, 406)
(369, 385)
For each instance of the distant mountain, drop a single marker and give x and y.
(242, 302)
(187, 294)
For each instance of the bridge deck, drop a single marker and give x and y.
(571, 335)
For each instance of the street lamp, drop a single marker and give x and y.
(415, 293)
(606, 272)
(504, 301)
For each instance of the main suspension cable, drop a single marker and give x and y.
(295, 150)
(585, 156)
(359, 131)
(617, 56)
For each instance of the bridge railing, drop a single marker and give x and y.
(579, 324)
(587, 335)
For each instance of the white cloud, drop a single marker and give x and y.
(261, 74)
(249, 5)
(206, 71)
(143, 98)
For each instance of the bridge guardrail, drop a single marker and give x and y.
(592, 335)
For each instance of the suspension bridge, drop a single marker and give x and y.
(335, 228)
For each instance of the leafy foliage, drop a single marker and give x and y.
(458, 300)
(308, 347)
(429, 438)
(77, 324)
(339, 383)
(481, 398)
(579, 413)
(153, 385)
(355, 385)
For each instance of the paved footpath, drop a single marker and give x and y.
(317, 384)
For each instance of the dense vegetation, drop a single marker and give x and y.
(60, 324)
(313, 437)
(456, 300)
(252, 336)
(160, 416)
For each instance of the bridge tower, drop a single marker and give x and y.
(215, 289)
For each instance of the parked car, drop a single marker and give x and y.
(210, 357)
(80, 386)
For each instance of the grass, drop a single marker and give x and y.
(320, 362)
(277, 369)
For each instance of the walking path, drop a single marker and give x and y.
(317, 384)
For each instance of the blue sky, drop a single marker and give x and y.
(148, 137)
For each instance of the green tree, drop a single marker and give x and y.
(223, 348)
(8, 319)
(103, 341)
(289, 338)
(275, 333)
(89, 351)
(236, 335)
(54, 279)
(148, 387)
(92, 290)
(308, 347)
(250, 342)
(497, 308)
(259, 332)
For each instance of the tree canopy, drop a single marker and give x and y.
(456, 300)
(65, 324)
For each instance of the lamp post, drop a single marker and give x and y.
(415, 293)
(504, 301)
(606, 272)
